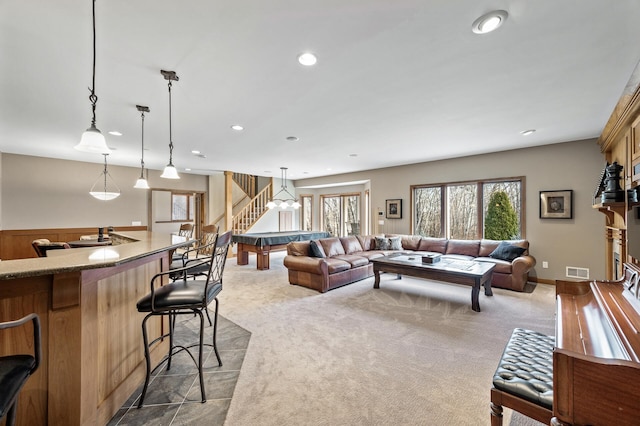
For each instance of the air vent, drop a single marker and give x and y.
(580, 273)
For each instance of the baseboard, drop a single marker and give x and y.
(541, 280)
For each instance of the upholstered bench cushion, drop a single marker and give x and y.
(526, 367)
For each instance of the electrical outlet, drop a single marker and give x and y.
(545, 264)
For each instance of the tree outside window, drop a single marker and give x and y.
(461, 210)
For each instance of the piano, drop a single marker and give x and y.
(596, 362)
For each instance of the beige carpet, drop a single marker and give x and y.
(410, 353)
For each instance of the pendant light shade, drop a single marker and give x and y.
(105, 188)
(280, 200)
(92, 139)
(142, 183)
(170, 172)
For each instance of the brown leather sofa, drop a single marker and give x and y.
(346, 260)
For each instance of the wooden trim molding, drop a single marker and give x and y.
(625, 111)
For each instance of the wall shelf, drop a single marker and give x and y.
(611, 209)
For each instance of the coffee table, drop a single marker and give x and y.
(467, 272)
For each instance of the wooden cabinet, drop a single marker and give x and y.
(620, 142)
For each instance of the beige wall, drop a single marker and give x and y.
(577, 242)
(49, 193)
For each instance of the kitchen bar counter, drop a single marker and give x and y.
(132, 245)
(93, 357)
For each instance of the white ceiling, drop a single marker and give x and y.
(397, 81)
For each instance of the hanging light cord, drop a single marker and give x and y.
(170, 137)
(105, 172)
(142, 155)
(92, 97)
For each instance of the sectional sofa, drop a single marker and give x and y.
(328, 263)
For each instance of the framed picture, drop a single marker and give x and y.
(556, 204)
(394, 209)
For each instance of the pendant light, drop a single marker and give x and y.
(142, 183)
(92, 139)
(283, 203)
(109, 189)
(170, 172)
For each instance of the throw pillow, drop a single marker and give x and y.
(395, 243)
(382, 243)
(316, 249)
(506, 251)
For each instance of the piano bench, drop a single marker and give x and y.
(523, 380)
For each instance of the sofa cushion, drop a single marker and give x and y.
(487, 246)
(351, 244)
(368, 242)
(395, 243)
(337, 265)
(464, 247)
(507, 251)
(409, 242)
(299, 248)
(502, 266)
(371, 254)
(438, 245)
(332, 246)
(316, 249)
(382, 243)
(355, 260)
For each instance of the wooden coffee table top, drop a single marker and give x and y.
(454, 266)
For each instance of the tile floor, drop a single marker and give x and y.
(173, 397)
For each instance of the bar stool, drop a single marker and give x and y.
(15, 370)
(181, 297)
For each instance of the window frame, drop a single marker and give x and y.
(191, 203)
(480, 201)
(302, 215)
(341, 196)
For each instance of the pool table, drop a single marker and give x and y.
(262, 243)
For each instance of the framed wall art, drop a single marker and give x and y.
(556, 204)
(394, 209)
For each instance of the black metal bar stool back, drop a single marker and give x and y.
(16, 369)
(185, 296)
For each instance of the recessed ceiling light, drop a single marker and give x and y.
(187, 170)
(489, 22)
(115, 133)
(293, 138)
(527, 132)
(237, 127)
(307, 59)
(195, 151)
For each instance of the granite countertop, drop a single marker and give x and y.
(143, 243)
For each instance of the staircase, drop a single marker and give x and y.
(255, 208)
(246, 182)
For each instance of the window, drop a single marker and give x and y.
(306, 213)
(341, 214)
(182, 206)
(458, 210)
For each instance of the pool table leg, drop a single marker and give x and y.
(242, 255)
(262, 260)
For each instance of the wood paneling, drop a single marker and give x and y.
(93, 357)
(16, 244)
(27, 296)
